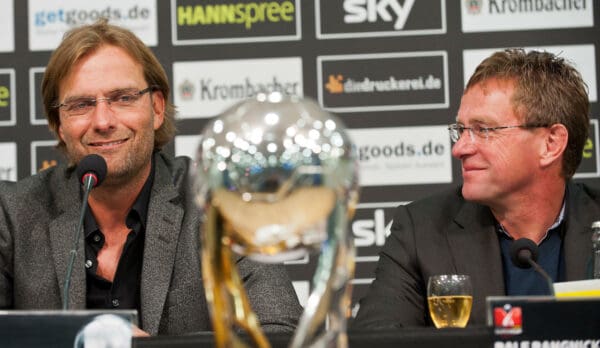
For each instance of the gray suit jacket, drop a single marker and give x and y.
(445, 234)
(37, 225)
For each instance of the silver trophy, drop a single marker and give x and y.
(277, 178)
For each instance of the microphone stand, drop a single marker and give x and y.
(89, 182)
(545, 275)
(523, 253)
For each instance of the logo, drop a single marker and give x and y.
(387, 81)
(376, 18)
(473, 6)
(4, 97)
(590, 161)
(7, 98)
(403, 155)
(502, 15)
(206, 88)
(335, 84)
(588, 149)
(370, 227)
(186, 90)
(47, 164)
(217, 22)
(247, 88)
(378, 10)
(508, 320)
(49, 20)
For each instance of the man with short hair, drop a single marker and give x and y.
(519, 135)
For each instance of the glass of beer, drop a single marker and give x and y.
(450, 297)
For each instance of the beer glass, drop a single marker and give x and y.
(450, 298)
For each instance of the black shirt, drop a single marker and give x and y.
(124, 291)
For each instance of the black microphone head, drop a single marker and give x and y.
(522, 250)
(94, 164)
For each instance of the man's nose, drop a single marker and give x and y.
(103, 115)
(465, 145)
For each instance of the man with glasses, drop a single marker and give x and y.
(519, 135)
(105, 93)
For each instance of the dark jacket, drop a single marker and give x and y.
(445, 234)
(37, 224)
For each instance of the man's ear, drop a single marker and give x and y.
(158, 107)
(554, 144)
(59, 132)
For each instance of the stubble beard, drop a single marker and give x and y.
(131, 167)
(127, 169)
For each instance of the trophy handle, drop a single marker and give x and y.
(323, 322)
(227, 300)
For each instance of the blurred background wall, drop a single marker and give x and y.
(392, 70)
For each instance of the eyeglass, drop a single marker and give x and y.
(479, 132)
(121, 99)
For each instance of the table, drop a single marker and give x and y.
(475, 337)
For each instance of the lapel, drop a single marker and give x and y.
(164, 222)
(581, 212)
(62, 231)
(475, 251)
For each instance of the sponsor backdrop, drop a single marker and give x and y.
(392, 70)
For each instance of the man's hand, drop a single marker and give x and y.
(137, 332)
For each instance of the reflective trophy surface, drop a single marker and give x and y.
(277, 179)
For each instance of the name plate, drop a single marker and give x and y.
(73, 328)
(542, 321)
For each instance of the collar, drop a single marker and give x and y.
(140, 207)
(559, 219)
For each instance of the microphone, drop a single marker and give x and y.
(91, 171)
(524, 254)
